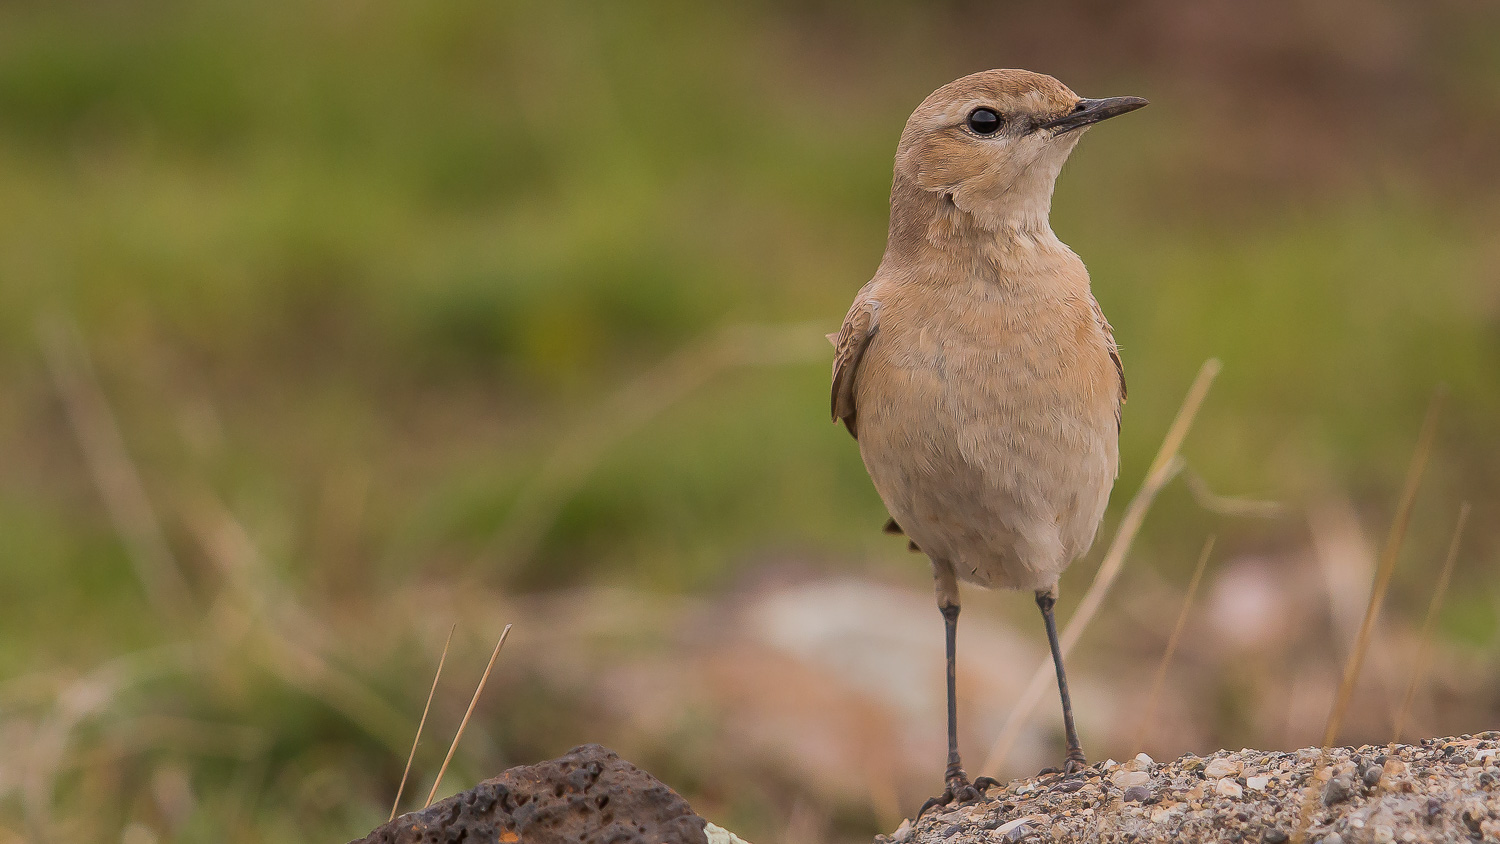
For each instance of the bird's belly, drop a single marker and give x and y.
(988, 460)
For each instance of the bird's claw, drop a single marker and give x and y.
(959, 791)
(1072, 766)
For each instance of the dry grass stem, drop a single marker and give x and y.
(1225, 505)
(1387, 565)
(1163, 468)
(1310, 798)
(1425, 642)
(113, 470)
(422, 723)
(1154, 695)
(474, 701)
(287, 638)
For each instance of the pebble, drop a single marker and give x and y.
(1128, 779)
(1136, 794)
(1331, 838)
(1257, 783)
(1338, 790)
(1013, 831)
(1228, 788)
(1223, 767)
(1371, 775)
(1275, 835)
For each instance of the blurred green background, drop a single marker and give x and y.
(327, 326)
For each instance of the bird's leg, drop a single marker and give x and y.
(1046, 599)
(956, 785)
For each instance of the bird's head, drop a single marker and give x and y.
(991, 144)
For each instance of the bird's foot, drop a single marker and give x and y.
(958, 791)
(1072, 766)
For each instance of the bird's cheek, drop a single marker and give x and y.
(945, 165)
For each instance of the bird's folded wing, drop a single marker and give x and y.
(849, 346)
(1114, 352)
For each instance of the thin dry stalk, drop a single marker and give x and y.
(1310, 798)
(286, 638)
(1224, 505)
(1166, 657)
(1162, 469)
(422, 723)
(1427, 623)
(1387, 566)
(465, 722)
(113, 471)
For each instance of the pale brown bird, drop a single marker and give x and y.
(975, 369)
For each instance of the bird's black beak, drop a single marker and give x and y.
(1089, 112)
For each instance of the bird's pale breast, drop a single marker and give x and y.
(987, 420)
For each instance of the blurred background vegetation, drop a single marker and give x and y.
(327, 326)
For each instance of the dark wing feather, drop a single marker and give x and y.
(1114, 352)
(849, 346)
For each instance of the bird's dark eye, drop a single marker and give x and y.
(984, 121)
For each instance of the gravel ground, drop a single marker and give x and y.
(1444, 790)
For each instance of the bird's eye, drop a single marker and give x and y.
(984, 121)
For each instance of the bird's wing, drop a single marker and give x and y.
(849, 346)
(1114, 352)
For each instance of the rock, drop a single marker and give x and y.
(1127, 779)
(588, 796)
(1338, 790)
(1424, 795)
(903, 832)
(1228, 788)
(719, 835)
(1223, 767)
(1018, 829)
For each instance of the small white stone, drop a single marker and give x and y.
(1144, 759)
(1010, 825)
(720, 835)
(1257, 783)
(1228, 788)
(1126, 779)
(903, 832)
(1384, 835)
(1030, 821)
(1221, 767)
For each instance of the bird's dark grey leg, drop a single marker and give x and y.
(950, 628)
(957, 787)
(1046, 599)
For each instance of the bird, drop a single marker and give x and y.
(976, 370)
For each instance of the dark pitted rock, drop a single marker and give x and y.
(589, 796)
